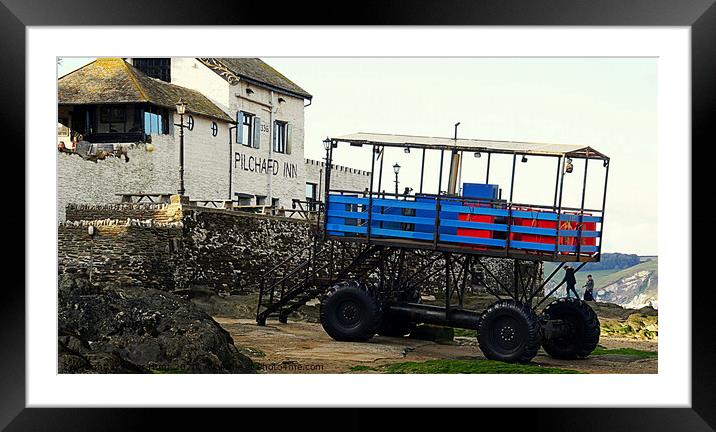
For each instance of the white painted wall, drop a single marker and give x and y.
(215, 167)
(206, 159)
(190, 73)
(206, 169)
(287, 181)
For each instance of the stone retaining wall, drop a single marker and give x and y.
(174, 246)
(129, 254)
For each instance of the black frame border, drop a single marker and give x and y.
(699, 15)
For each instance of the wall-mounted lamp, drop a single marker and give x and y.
(91, 231)
(478, 155)
(568, 167)
(407, 150)
(281, 100)
(524, 159)
(249, 91)
(606, 163)
(181, 106)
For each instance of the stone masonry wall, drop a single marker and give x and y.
(158, 213)
(224, 250)
(173, 246)
(169, 246)
(123, 253)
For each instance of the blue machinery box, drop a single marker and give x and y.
(480, 190)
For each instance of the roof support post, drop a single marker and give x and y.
(604, 208)
(559, 212)
(556, 180)
(581, 208)
(436, 233)
(370, 193)
(422, 170)
(381, 155)
(512, 180)
(487, 176)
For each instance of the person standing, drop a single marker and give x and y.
(570, 280)
(589, 289)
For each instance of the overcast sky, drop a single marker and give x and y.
(608, 104)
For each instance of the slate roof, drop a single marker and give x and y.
(114, 81)
(254, 69)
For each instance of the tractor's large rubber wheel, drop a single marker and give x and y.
(350, 313)
(583, 335)
(509, 331)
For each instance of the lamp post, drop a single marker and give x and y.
(181, 109)
(327, 146)
(396, 170)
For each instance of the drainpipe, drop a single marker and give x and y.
(270, 146)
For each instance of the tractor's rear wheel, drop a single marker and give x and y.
(350, 313)
(570, 329)
(509, 331)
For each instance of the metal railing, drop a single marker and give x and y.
(442, 219)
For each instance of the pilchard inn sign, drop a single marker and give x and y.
(261, 165)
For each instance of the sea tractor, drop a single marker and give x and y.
(375, 252)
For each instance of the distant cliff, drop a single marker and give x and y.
(621, 279)
(634, 287)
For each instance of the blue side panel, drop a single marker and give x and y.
(333, 208)
(444, 215)
(343, 211)
(425, 213)
(473, 240)
(386, 209)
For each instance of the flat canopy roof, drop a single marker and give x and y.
(462, 144)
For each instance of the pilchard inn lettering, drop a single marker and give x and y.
(261, 165)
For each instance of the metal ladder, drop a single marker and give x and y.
(305, 275)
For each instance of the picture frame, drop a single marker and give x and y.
(700, 16)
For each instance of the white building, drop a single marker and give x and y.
(244, 139)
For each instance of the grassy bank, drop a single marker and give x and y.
(600, 350)
(447, 366)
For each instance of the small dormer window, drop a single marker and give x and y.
(214, 129)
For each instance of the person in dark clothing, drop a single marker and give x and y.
(589, 289)
(570, 280)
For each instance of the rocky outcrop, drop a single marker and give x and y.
(130, 329)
